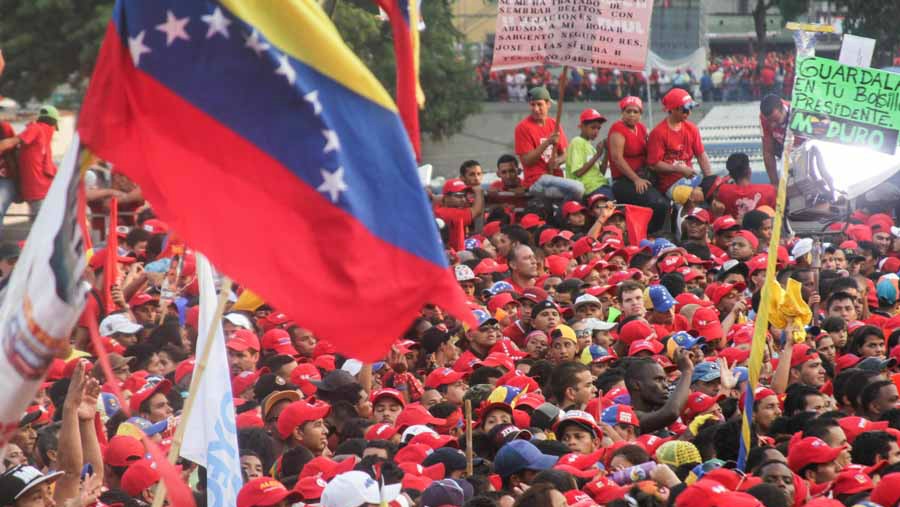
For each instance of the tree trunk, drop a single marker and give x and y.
(759, 24)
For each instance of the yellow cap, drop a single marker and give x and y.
(565, 332)
(681, 194)
(248, 301)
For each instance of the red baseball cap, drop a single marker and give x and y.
(572, 207)
(676, 98)
(140, 475)
(145, 392)
(725, 223)
(243, 381)
(454, 185)
(802, 353)
(548, 235)
(279, 341)
(500, 359)
(844, 361)
(887, 492)
(671, 263)
(651, 345)
(249, 419)
(636, 330)
(735, 356)
(243, 339)
(854, 426)
(300, 412)
(534, 294)
(706, 323)
(141, 299)
(489, 266)
(122, 450)
(699, 214)
(697, 403)
(716, 291)
(851, 481)
(803, 452)
(590, 115)
(265, 491)
(327, 467)
(414, 414)
(531, 220)
(757, 263)
(381, 431)
(443, 376)
(303, 375)
(749, 236)
(387, 393)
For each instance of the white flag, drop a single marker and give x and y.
(210, 438)
(44, 296)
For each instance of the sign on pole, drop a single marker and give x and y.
(577, 33)
(846, 105)
(856, 51)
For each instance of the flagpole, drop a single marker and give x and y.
(160, 493)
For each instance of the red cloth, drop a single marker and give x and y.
(456, 219)
(635, 151)
(638, 217)
(36, 167)
(669, 145)
(529, 135)
(407, 78)
(738, 200)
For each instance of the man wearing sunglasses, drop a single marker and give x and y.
(675, 142)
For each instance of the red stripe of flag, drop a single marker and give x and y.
(406, 71)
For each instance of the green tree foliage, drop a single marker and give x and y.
(447, 78)
(790, 10)
(876, 20)
(49, 42)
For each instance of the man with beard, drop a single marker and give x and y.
(648, 386)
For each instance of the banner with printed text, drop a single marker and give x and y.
(846, 105)
(578, 33)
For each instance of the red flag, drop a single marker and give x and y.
(111, 269)
(406, 51)
(636, 220)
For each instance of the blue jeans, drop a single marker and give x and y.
(7, 195)
(554, 187)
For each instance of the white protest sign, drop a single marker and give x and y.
(577, 33)
(857, 51)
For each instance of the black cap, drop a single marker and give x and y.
(334, 380)
(876, 364)
(543, 305)
(453, 459)
(269, 383)
(19, 480)
(544, 416)
(502, 434)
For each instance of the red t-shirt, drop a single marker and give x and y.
(738, 200)
(669, 146)
(529, 135)
(456, 219)
(8, 158)
(36, 167)
(635, 151)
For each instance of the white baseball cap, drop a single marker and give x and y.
(352, 489)
(118, 323)
(239, 320)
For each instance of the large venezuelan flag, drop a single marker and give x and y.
(265, 143)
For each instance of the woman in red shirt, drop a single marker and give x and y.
(627, 144)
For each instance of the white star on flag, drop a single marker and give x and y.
(136, 47)
(313, 98)
(332, 143)
(285, 69)
(256, 44)
(333, 183)
(174, 28)
(217, 22)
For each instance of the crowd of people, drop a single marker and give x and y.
(732, 77)
(615, 289)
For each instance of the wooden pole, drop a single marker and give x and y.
(563, 82)
(160, 493)
(469, 457)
